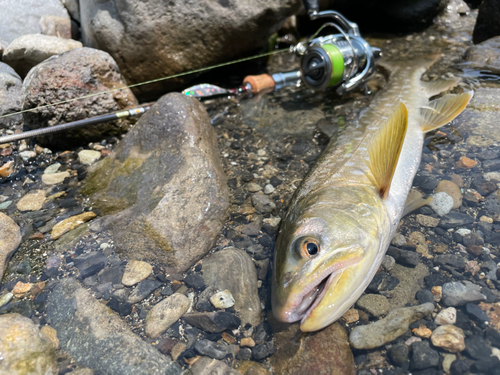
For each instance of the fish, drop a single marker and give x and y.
(344, 214)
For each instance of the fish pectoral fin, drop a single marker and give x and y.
(441, 111)
(437, 87)
(385, 148)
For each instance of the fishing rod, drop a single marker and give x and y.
(344, 61)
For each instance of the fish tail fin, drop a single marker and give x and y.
(432, 88)
(416, 204)
(443, 110)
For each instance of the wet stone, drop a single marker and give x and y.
(165, 313)
(455, 219)
(441, 203)
(399, 354)
(424, 295)
(476, 313)
(456, 294)
(459, 367)
(213, 322)
(486, 365)
(244, 354)
(476, 347)
(111, 274)
(446, 316)
(263, 203)
(195, 281)
(404, 257)
(264, 350)
(143, 289)
(374, 304)
(423, 356)
(455, 261)
(136, 271)
(211, 349)
(90, 263)
(222, 300)
(448, 337)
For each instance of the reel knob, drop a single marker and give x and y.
(322, 66)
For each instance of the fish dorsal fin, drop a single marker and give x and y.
(437, 87)
(385, 148)
(441, 111)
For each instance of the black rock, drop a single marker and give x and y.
(114, 304)
(488, 155)
(266, 241)
(476, 313)
(424, 295)
(487, 21)
(264, 350)
(247, 177)
(125, 309)
(455, 261)
(493, 336)
(211, 349)
(214, 322)
(143, 289)
(90, 263)
(404, 257)
(195, 281)
(477, 347)
(24, 307)
(111, 274)
(398, 354)
(485, 365)
(40, 299)
(167, 291)
(483, 186)
(436, 279)
(275, 181)
(459, 367)
(423, 356)
(244, 354)
(491, 165)
(463, 321)
(493, 238)
(455, 219)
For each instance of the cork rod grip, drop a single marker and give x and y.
(262, 82)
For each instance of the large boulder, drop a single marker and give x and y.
(164, 185)
(152, 39)
(98, 338)
(29, 50)
(23, 17)
(10, 97)
(487, 25)
(74, 74)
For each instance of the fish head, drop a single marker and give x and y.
(326, 248)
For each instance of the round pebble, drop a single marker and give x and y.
(89, 157)
(268, 189)
(222, 300)
(449, 338)
(452, 190)
(136, 271)
(441, 203)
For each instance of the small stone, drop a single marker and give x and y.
(7, 169)
(5, 298)
(230, 339)
(375, 304)
(20, 289)
(448, 359)
(446, 316)
(388, 262)
(70, 223)
(472, 267)
(135, 272)
(441, 203)
(211, 349)
(222, 300)
(88, 157)
(456, 294)
(263, 203)
(486, 219)
(195, 281)
(450, 188)
(269, 189)
(177, 350)
(418, 240)
(213, 322)
(32, 201)
(53, 168)
(399, 354)
(455, 219)
(476, 313)
(466, 163)
(423, 356)
(427, 221)
(54, 178)
(27, 155)
(477, 347)
(49, 334)
(422, 331)
(351, 316)
(165, 313)
(449, 338)
(247, 342)
(143, 289)
(398, 240)
(90, 263)
(264, 350)
(424, 296)
(252, 187)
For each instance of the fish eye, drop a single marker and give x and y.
(308, 247)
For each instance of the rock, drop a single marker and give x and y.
(269, 189)
(211, 349)
(452, 190)
(24, 349)
(455, 261)
(486, 365)
(32, 202)
(143, 289)
(476, 313)
(10, 91)
(399, 354)
(389, 328)
(10, 238)
(477, 347)
(441, 203)
(120, 28)
(30, 12)
(456, 294)
(422, 331)
(388, 262)
(263, 203)
(29, 50)
(214, 322)
(53, 168)
(89, 157)
(54, 178)
(97, 338)
(195, 281)
(233, 269)
(175, 203)
(262, 351)
(486, 22)
(248, 342)
(136, 271)
(455, 219)
(459, 367)
(447, 361)
(70, 223)
(165, 313)
(446, 316)
(418, 240)
(465, 163)
(209, 366)
(20, 289)
(375, 304)
(424, 296)
(56, 26)
(222, 300)
(323, 352)
(5, 298)
(449, 338)
(423, 356)
(252, 187)
(485, 56)
(427, 221)
(90, 263)
(7, 169)
(76, 73)
(27, 155)
(404, 257)
(351, 316)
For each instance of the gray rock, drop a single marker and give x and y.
(29, 50)
(374, 304)
(143, 289)
(455, 219)
(73, 8)
(10, 94)
(234, 270)
(97, 338)
(73, 74)
(10, 238)
(389, 328)
(485, 56)
(165, 313)
(214, 322)
(211, 349)
(23, 346)
(263, 203)
(423, 356)
(172, 35)
(441, 203)
(23, 17)
(209, 366)
(167, 177)
(56, 26)
(456, 294)
(90, 263)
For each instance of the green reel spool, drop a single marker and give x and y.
(322, 66)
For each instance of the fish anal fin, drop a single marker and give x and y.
(437, 87)
(443, 110)
(385, 148)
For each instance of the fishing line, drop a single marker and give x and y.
(150, 81)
